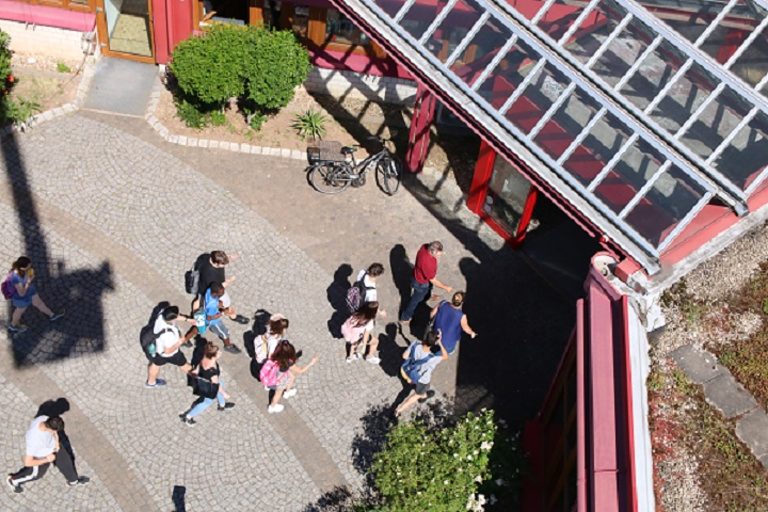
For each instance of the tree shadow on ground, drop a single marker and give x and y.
(336, 293)
(80, 292)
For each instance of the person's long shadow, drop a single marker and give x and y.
(390, 351)
(260, 326)
(336, 293)
(81, 330)
(402, 270)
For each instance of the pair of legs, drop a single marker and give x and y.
(284, 388)
(64, 463)
(419, 292)
(371, 345)
(219, 329)
(421, 392)
(153, 369)
(22, 305)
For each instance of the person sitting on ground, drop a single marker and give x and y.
(208, 369)
(212, 268)
(167, 346)
(284, 362)
(24, 294)
(213, 316)
(44, 448)
(450, 320)
(265, 343)
(357, 330)
(417, 370)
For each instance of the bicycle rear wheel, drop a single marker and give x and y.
(328, 177)
(389, 172)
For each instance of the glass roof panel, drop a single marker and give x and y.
(637, 165)
(557, 134)
(667, 203)
(547, 85)
(390, 7)
(453, 28)
(480, 51)
(420, 16)
(507, 75)
(747, 154)
(597, 149)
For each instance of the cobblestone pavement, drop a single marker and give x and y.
(117, 217)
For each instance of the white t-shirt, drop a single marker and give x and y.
(425, 370)
(370, 286)
(272, 341)
(166, 339)
(40, 444)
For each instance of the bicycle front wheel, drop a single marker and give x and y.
(327, 178)
(389, 172)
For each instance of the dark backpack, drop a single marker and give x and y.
(148, 337)
(192, 280)
(356, 295)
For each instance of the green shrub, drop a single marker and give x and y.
(250, 63)
(310, 125)
(218, 118)
(18, 110)
(63, 68)
(191, 114)
(426, 468)
(256, 120)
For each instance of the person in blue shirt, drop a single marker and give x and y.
(450, 320)
(21, 279)
(213, 316)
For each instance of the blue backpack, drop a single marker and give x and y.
(410, 368)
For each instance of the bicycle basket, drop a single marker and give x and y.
(325, 150)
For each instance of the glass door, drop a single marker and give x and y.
(125, 29)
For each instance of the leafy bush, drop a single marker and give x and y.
(256, 120)
(61, 67)
(18, 110)
(240, 62)
(190, 114)
(12, 110)
(423, 468)
(218, 118)
(310, 125)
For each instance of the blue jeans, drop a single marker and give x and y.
(205, 403)
(419, 292)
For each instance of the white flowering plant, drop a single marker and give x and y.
(438, 469)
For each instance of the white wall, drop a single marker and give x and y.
(357, 85)
(55, 43)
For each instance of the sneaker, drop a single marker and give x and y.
(290, 393)
(187, 344)
(227, 406)
(353, 357)
(232, 348)
(15, 487)
(55, 316)
(190, 422)
(430, 394)
(17, 328)
(274, 409)
(80, 481)
(158, 383)
(241, 319)
(373, 360)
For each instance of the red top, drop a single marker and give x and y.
(426, 266)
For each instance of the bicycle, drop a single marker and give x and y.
(333, 167)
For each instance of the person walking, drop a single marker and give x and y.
(212, 269)
(209, 370)
(424, 277)
(450, 320)
(358, 329)
(213, 316)
(366, 284)
(43, 449)
(417, 369)
(167, 346)
(265, 344)
(279, 374)
(19, 284)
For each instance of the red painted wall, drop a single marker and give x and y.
(172, 23)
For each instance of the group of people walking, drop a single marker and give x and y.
(275, 358)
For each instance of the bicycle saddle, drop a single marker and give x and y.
(348, 150)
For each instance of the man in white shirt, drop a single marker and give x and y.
(43, 448)
(167, 342)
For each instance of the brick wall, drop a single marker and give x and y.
(381, 89)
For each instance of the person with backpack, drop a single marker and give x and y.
(417, 369)
(167, 343)
(210, 371)
(424, 277)
(264, 344)
(20, 289)
(450, 320)
(363, 290)
(357, 330)
(279, 374)
(214, 311)
(211, 268)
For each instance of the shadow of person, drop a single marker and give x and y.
(259, 327)
(336, 293)
(390, 351)
(402, 271)
(178, 498)
(199, 350)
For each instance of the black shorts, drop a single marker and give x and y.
(421, 389)
(177, 359)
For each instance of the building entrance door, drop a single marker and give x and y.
(125, 29)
